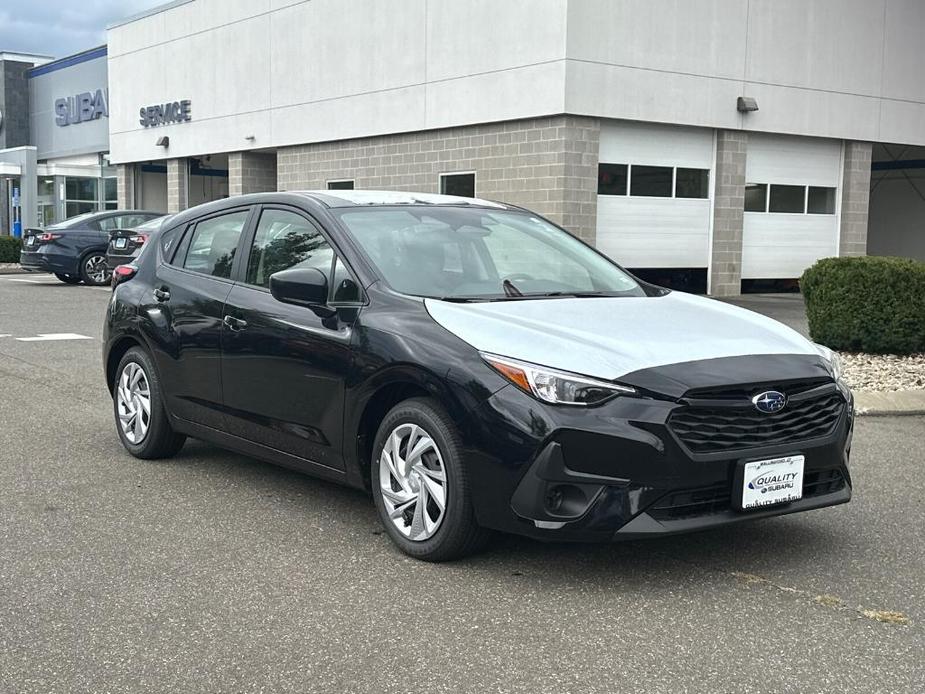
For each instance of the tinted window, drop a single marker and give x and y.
(786, 198)
(756, 197)
(821, 200)
(458, 184)
(692, 183)
(651, 181)
(340, 185)
(214, 243)
(611, 179)
(285, 240)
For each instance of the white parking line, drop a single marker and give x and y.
(50, 337)
(18, 279)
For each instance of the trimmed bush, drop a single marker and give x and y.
(866, 304)
(9, 249)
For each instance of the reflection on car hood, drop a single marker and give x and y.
(608, 337)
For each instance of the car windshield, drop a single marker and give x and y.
(474, 254)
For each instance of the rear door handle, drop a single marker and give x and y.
(234, 323)
(162, 294)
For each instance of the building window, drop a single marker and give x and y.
(790, 199)
(692, 183)
(340, 185)
(110, 194)
(756, 197)
(820, 200)
(611, 179)
(462, 184)
(651, 181)
(80, 196)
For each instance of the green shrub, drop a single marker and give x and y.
(9, 249)
(867, 304)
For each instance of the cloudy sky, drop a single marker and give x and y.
(61, 27)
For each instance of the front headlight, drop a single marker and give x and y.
(556, 387)
(832, 358)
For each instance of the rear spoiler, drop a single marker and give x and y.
(114, 232)
(32, 231)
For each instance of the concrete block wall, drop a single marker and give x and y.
(728, 213)
(125, 186)
(546, 164)
(177, 185)
(855, 199)
(251, 172)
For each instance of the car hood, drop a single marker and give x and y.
(609, 337)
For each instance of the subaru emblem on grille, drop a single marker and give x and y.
(769, 401)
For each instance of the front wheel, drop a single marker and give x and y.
(138, 403)
(94, 270)
(68, 279)
(421, 485)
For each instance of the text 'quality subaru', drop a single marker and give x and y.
(473, 365)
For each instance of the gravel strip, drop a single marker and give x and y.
(884, 372)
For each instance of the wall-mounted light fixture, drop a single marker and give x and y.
(163, 141)
(745, 104)
(250, 138)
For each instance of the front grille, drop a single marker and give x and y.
(691, 503)
(717, 427)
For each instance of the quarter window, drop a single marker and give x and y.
(213, 244)
(286, 240)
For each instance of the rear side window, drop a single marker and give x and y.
(213, 244)
(286, 240)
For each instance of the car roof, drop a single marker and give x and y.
(358, 198)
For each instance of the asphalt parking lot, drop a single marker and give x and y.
(212, 572)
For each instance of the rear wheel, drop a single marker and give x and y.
(68, 279)
(138, 403)
(94, 270)
(421, 485)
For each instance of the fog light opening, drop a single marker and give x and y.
(565, 500)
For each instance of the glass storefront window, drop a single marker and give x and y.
(80, 195)
(110, 194)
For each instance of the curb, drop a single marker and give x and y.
(871, 403)
(11, 269)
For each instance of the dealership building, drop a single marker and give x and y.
(715, 144)
(54, 138)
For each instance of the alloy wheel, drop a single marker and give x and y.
(97, 269)
(413, 482)
(133, 396)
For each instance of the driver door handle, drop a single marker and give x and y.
(234, 323)
(162, 294)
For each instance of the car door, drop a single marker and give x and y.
(283, 366)
(188, 307)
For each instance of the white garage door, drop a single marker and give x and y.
(653, 206)
(791, 204)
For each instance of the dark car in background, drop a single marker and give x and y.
(75, 250)
(125, 245)
(474, 366)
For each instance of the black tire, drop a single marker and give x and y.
(458, 533)
(160, 441)
(68, 279)
(91, 265)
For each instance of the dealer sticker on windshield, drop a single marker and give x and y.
(769, 482)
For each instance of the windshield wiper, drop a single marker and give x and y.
(571, 295)
(510, 289)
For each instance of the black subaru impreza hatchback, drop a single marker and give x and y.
(473, 365)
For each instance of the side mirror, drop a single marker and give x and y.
(301, 286)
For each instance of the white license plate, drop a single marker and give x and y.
(775, 481)
(30, 240)
(121, 243)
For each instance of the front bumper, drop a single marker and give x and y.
(619, 471)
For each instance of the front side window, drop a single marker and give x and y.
(214, 243)
(286, 240)
(478, 254)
